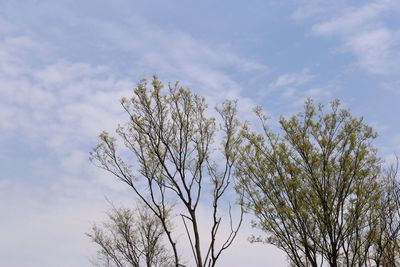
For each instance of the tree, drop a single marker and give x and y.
(131, 238)
(318, 190)
(171, 141)
(385, 230)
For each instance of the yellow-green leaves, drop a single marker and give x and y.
(313, 184)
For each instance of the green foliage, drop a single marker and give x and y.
(315, 186)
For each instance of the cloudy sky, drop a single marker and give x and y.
(65, 64)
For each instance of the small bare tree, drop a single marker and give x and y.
(131, 238)
(171, 140)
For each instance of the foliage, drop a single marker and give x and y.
(317, 189)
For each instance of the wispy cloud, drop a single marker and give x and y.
(288, 83)
(362, 31)
(179, 56)
(292, 79)
(352, 19)
(59, 105)
(392, 86)
(310, 9)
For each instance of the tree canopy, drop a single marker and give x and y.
(317, 188)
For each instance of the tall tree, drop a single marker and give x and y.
(314, 187)
(175, 160)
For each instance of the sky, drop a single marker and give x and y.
(64, 65)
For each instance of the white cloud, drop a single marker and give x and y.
(178, 56)
(308, 9)
(376, 50)
(392, 86)
(293, 79)
(352, 19)
(362, 31)
(63, 96)
(60, 106)
(39, 229)
(289, 83)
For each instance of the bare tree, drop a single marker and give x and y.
(131, 238)
(171, 140)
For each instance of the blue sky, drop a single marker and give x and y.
(65, 64)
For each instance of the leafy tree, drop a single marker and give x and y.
(318, 190)
(131, 238)
(171, 159)
(385, 230)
